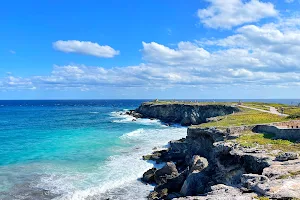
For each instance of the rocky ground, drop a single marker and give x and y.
(210, 164)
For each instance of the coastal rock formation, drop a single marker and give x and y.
(184, 114)
(206, 163)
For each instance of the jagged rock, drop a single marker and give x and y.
(160, 175)
(158, 195)
(148, 176)
(280, 188)
(158, 156)
(173, 183)
(253, 162)
(198, 163)
(287, 156)
(251, 180)
(222, 192)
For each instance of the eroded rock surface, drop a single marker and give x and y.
(206, 165)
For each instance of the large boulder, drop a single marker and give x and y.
(195, 183)
(173, 183)
(169, 169)
(287, 156)
(148, 176)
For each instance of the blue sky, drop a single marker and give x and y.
(149, 49)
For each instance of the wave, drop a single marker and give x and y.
(118, 178)
(121, 117)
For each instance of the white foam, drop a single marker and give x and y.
(118, 178)
(93, 112)
(133, 134)
(121, 117)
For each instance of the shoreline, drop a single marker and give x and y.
(191, 167)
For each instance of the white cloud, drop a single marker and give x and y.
(12, 52)
(231, 13)
(289, 1)
(252, 56)
(85, 47)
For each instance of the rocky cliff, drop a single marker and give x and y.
(184, 113)
(207, 164)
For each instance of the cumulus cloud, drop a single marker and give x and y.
(85, 47)
(231, 13)
(253, 55)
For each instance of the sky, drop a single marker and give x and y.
(115, 49)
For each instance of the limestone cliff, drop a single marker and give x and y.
(209, 164)
(184, 113)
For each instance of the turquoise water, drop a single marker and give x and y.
(76, 149)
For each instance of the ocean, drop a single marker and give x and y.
(78, 149)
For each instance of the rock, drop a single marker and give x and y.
(279, 170)
(287, 156)
(161, 174)
(252, 180)
(222, 192)
(213, 119)
(156, 156)
(195, 183)
(252, 162)
(173, 195)
(198, 163)
(173, 183)
(158, 195)
(148, 176)
(280, 188)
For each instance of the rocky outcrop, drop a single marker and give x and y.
(287, 156)
(185, 114)
(222, 192)
(206, 163)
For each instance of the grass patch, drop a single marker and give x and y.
(291, 174)
(250, 139)
(246, 117)
(293, 111)
(262, 198)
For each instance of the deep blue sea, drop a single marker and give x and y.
(77, 149)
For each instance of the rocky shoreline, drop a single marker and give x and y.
(209, 164)
(206, 165)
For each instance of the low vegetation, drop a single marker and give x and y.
(263, 106)
(266, 141)
(291, 174)
(246, 117)
(292, 111)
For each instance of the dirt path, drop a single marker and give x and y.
(273, 110)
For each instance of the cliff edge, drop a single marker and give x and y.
(184, 113)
